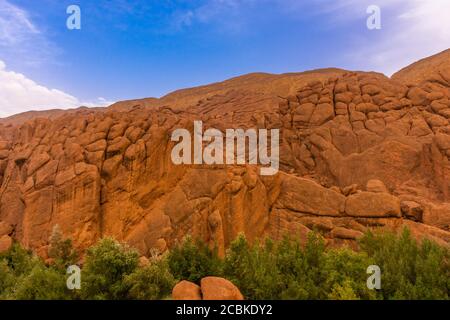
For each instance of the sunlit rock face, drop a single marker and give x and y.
(358, 151)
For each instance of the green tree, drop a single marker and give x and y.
(282, 269)
(152, 282)
(61, 250)
(107, 264)
(7, 279)
(254, 269)
(24, 276)
(42, 283)
(346, 275)
(192, 260)
(19, 260)
(409, 270)
(343, 291)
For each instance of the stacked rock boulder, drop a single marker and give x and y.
(210, 288)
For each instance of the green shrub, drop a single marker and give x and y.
(153, 282)
(61, 250)
(7, 279)
(310, 273)
(288, 270)
(19, 260)
(278, 270)
(409, 270)
(107, 263)
(293, 267)
(42, 283)
(253, 269)
(25, 277)
(343, 291)
(346, 276)
(284, 269)
(192, 260)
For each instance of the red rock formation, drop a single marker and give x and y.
(358, 150)
(211, 288)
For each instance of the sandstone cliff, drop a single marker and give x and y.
(358, 150)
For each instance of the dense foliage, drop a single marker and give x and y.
(288, 270)
(283, 269)
(192, 260)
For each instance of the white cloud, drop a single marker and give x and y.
(21, 40)
(19, 94)
(421, 30)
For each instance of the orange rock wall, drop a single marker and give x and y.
(358, 151)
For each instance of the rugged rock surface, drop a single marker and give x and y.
(358, 150)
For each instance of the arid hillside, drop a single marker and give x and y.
(358, 150)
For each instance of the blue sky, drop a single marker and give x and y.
(130, 49)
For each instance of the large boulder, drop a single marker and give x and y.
(371, 204)
(306, 196)
(375, 185)
(215, 288)
(186, 290)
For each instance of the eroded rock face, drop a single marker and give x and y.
(357, 151)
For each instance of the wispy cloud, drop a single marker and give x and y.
(21, 40)
(227, 15)
(19, 94)
(411, 30)
(15, 25)
(420, 30)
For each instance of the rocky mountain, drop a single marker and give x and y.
(358, 151)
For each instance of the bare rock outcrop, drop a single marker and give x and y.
(358, 151)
